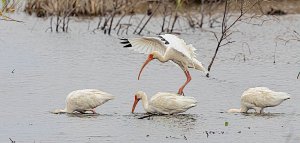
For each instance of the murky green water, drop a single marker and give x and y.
(47, 66)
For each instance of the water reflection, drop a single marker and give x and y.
(184, 122)
(85, 115)
(264, 115)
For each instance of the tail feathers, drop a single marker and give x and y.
(198, 65)
(234, 110)
(59, 111)
(283, 95)
(111, 97)
(192, 102)
(108, 97)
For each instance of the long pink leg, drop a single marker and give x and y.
(188, 79)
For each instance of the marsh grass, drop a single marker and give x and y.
(8, 7)
(112, 12)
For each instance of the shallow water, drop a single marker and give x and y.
(38, 69)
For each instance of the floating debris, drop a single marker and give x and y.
(213, 132)
(171, 137)
(12, 141)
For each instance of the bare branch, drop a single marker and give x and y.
(242, 14)
(216, 36)
(225, 28)
(148, 19)
(229, 42)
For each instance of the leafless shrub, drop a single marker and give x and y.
(244, 7)
(111, 13)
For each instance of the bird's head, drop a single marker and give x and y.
(155, 54)
(137, 97)
(150, 58)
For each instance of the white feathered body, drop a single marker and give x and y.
(168, 103)
(170, 47)
(259, 98)
(85, 100)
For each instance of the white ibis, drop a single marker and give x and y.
(259, 98)
(164, 103)
(84, 100)
(165, 48)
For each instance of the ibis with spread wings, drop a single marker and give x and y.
(165, 48)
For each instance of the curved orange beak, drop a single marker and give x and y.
(136, 100)
(150, 58)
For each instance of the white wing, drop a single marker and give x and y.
(146, 45)
(170, 102)
(264, 97)
(179, 45)
(87, 99)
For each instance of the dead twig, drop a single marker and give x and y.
(12, 141)
(221, 38)
(225, 27)
(148, 19)
(175, 19)
(50, 27)
(138, 26)
(164, 19)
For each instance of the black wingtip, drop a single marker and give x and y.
(164, 40)
(125, 42)
(123, 38)
(128, 45)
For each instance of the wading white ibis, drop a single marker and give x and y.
(164, 103)
(84, 100)
(165, 48)
(259, 98)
